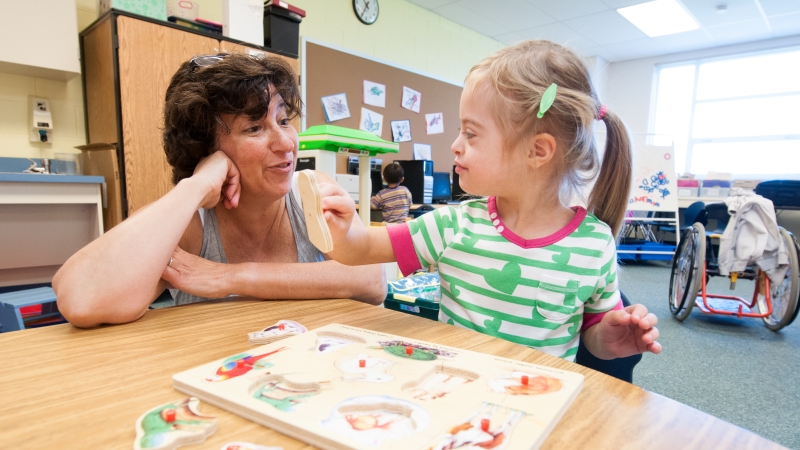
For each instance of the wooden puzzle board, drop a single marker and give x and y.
(342, 387)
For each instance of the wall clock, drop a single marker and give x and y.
(366, 11)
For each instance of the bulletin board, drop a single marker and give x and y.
(329, 71)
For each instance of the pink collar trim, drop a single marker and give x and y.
(494, 216)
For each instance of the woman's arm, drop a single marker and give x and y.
(295, 281)
(116, 277)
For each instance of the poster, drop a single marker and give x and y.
(411, 99)
(374, 94)
(335, 107)
(422, 151)
(401, 130)
(434, 123)
(371, 122)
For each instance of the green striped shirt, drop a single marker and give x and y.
(531, 292)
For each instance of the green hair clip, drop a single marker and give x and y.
(548, 98)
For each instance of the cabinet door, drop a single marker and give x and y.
(230, 47)
(149, 54)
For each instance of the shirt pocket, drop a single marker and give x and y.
(557, 298)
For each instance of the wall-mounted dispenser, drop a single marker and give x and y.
(42, 129)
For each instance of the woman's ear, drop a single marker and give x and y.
(541, 150)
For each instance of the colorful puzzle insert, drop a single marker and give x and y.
(341, 387)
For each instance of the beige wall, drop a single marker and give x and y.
(404, 34)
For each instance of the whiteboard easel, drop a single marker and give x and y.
(654, 185)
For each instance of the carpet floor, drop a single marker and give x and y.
(734, 369)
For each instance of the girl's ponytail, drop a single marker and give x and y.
(609, 197)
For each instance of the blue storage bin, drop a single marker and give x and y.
(627, 256)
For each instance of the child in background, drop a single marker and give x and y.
(395, 199)
(520, 264)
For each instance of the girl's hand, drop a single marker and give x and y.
(628, 331)
(338, 210)
(197, 276)
(221, 177)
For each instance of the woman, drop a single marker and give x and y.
(233, 224)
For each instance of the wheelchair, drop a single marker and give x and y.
(695, 262)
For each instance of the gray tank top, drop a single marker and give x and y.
(212, 243)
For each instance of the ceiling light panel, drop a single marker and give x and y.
(659, 17)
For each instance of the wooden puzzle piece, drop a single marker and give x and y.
(487, 428)
(520, 383)
(172, 425)
(330, 341)
(239, 365)
(372, 419)
(282, 393)
(318, 232)
(282, 329)
(438, 382)
(412, 350)
(362, 367)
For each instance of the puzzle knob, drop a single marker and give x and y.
(281, 326)
(485, 425)
(170, 415)
(524, 380)
(240, 363)
(409, 350)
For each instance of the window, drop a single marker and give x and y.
(736, 114)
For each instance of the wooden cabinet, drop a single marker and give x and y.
(128, 62)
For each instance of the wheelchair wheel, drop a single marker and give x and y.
(684, 283)
(783, 295)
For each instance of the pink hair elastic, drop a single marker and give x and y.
(602, 112)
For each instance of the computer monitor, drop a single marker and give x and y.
(377, 181)
(353, 163)
(458, 193)
(441, 187)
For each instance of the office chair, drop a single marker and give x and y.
(621, 368)
(694, 213)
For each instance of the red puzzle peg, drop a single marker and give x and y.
(362, 363)
(281, 326)
(409, 349)
(170, 415)
(240, 363)
(485, 425)
(524, 380)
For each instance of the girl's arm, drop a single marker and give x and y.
(353, 243)
(116, 277)
(198, 276)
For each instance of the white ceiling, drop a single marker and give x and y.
(594, 28)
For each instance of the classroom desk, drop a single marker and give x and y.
(63, 387)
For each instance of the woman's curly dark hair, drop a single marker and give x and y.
(198, 95)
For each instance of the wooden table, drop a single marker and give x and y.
(63, 387)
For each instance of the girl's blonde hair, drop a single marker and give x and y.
(519, 74)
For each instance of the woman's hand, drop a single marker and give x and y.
(221, 177)
(624, 332)
(197, 276)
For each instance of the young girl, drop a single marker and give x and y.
(520, 264)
